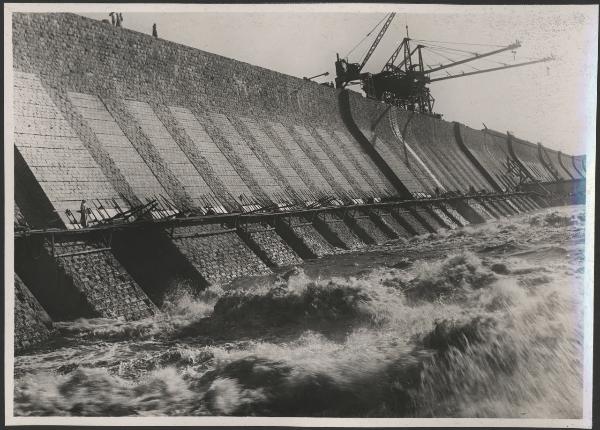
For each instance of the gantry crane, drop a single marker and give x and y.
(405, 84)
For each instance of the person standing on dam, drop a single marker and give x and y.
(154, 32)
(83, 210)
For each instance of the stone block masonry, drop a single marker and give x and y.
(86, 56)
(208, 157)
(502, 206)
(266, 243)
(79, 277)
(88, 118)
(336, 231)
(103, 132)
(396, 228)
(150, 154)
(490, 151)
(272, 158)
(305, 167)
(178, 164)
(217, 252)
(482, 210)
(567, 164)
(61, 164)
(33, 203)
(408, 220)
(118, 112)
(322, 162)
(32, 323)
(244, 153)
(364, 164)
(365, 227)
(428, 219)
(444, 217)
(107, 287)
(435, 143)
(213, 125)
(373, 122)
(527, 154)
(360, 186)
(550, 160)
(301, 234)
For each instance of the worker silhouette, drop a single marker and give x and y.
(154, 32)
(113, 17)
(83, 209)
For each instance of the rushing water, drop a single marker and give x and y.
(483, 321)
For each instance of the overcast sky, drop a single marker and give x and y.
(553, 103)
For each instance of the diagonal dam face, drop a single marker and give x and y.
(120, 119)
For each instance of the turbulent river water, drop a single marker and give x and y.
(483, 321)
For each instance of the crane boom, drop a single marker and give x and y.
(406, 84)
(377, 40)
(515, 45)
(541, 60)
(389, 64)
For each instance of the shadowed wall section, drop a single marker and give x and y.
(32, 323)
(528, 155)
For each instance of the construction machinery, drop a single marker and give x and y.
(404, 79)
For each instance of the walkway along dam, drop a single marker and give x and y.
(201, 168)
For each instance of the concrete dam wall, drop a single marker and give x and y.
(263, 170)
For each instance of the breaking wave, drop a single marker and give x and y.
(484, 332)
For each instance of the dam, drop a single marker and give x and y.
(200, 168)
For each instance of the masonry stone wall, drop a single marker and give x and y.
(567, 166)
(61, 164)
(299, 232)
(217, 252)
(90, 57)
(109, 290)
(241, 103)
(373, 121)
(428, 219)
(367, 227)
(482, 210)
(392, 223)
(32, 323)
(551, 161)
(111, 115)
(265, 242)
(333, 227)
(408, 219)
(490, 150)
(528, 155)
(435, 143)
